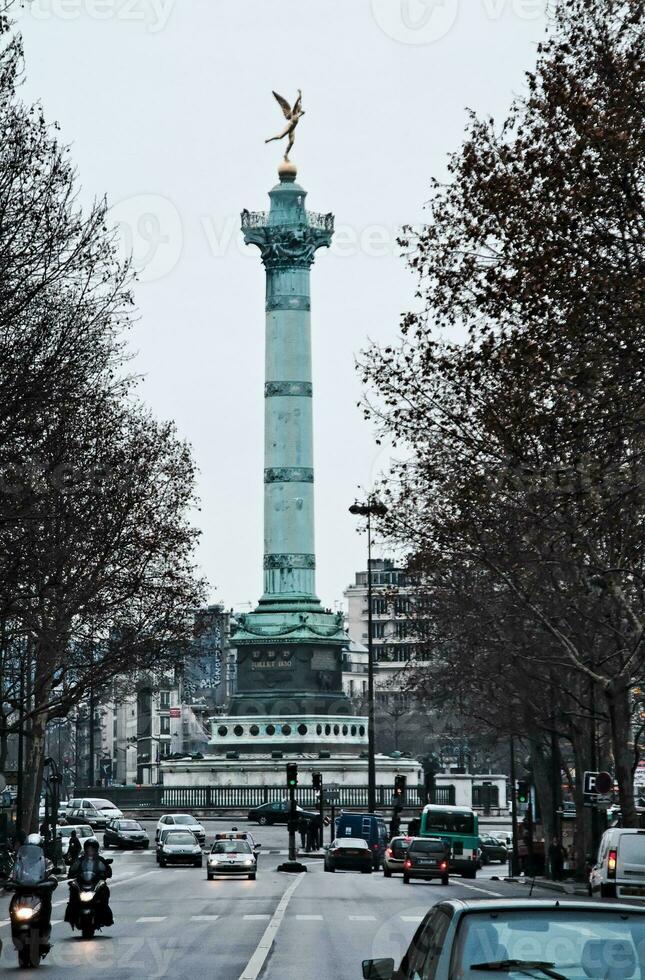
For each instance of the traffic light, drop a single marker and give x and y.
(316, 780)
(399, 785)
(522, 791)
(292, 774)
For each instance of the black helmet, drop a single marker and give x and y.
(91, 844)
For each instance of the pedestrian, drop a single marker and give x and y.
(317, 832)
(556, 859)
(73, 849)
(395, 825)
(311, 836)
(303, 826)
(414, 826)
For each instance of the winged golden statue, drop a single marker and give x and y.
(293, 117)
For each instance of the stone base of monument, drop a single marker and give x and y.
(292, 867)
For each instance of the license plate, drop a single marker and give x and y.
(432, 864)
(352, 852)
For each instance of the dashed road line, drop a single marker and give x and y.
(256, 918)
(253, 968)
(484, 891)
(309, 918)
(411, 918)
(362, 918)
(152, 918)
(205, 918)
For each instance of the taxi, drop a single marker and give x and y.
(232, 855)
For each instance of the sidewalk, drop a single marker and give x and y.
(563, 887)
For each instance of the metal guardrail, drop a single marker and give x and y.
(260, 219)
(238, 797)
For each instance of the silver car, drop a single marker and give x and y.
(180, 847)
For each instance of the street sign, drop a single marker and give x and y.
(597, 783)
(175, 712)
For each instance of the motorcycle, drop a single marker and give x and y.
(88, 904)
(30, 907)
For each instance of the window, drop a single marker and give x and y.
(423, 957)
(401, 631)
(165, 749)
(379, 607)
(378, 630)
(164, 725)
(402, 607)
(164, 699)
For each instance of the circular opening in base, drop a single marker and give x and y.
(238, 730)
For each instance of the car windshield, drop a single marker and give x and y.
(128, 825)
(184, 819)
(102, 805)
(450, 821)
(182, 838)
(576, 943)
(427, 847)
(231, 847)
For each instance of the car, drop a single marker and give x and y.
(180, 847)
(492, 849)
(83, 832)
(232, 856)
(394, 856)
(427, 858)
(183, 820)
(93, 810)
(125, 833)
(619, 871)
(525, 937)
(269, 813)
(368, 827)
(163, 836)
(348, 854)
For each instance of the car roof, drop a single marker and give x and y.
(537, 904)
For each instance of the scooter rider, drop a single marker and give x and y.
(90, 867)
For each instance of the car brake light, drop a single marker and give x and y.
(408, 864)
(375, 847)
(611, 864)
(443, 865)
(389, 852)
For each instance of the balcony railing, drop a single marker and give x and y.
(260, 219)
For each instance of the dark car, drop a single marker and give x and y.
(269, 813)
(537, 938)
(427, 858)
(492, 849)
(180, 847)
(348, 854)
(125, 833)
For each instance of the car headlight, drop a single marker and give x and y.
(197, 849)
(87, 896)
(213, 860)
(26, 912)
(248, 862)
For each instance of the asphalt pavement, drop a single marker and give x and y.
(173, 923)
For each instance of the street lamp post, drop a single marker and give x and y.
(366, 510)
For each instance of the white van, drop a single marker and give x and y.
(619, 871)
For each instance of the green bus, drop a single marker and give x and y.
(460, 826)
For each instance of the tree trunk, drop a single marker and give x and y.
(33, 774)
(542, 769)
(620, 725)
(580, 739)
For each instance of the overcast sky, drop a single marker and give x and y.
(167, 104)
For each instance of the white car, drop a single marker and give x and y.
(83, 832)
(619, 871)
(184, 821)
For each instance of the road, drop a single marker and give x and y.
(173, 923)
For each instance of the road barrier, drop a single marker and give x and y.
(237, 797)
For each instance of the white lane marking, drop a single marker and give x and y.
(255, 918)
(56, 922)
(476, 888)
(362, 918)
(206, 918)
(309, 918)
(281, 852)
(412, 918)
(152, 918)
(5, 922)
(253, 968)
